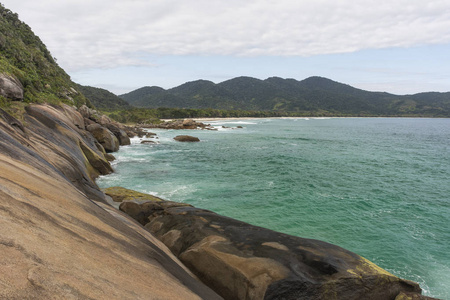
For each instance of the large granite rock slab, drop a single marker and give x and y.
(242, 261)
(51, 139)
(105, 137)
(10, 87)
(55, 242)
(120, 134)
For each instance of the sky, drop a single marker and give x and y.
(396, 46)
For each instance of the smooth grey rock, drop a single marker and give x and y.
(10, 87)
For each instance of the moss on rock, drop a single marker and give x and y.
(120, 194)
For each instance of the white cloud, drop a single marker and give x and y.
(111, 33)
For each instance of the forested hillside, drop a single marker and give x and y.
(314, 94)
(25, 60)
(103, 99)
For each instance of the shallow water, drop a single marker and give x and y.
(375, 186)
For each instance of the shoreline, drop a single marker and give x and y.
(245, 118)
(291, 118)
(231, 259)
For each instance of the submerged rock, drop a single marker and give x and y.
(149, 142)
(186, 138)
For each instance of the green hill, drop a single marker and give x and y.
(103, 99)
(24, 58)
(314, 95)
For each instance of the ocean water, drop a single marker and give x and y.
(379, 187)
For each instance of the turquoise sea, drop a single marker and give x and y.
(379, 187)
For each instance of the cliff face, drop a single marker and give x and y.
(56, 243)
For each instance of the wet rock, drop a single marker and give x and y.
(413, 296)
(109, 157)
(149, 142)
(186, 138)
(242, 261)
(189, 124)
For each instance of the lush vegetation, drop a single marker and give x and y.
(152, 115)
(103, 99)
(312, 96)
(24, 56)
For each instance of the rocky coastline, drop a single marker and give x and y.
(61, 237)
(178, 124)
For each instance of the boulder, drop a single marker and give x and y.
(109, 157)
(74, 116)
(104, 120)
(10, 87)
(242, 261)
(149, 142)
(85, 111)
(186, 138)
(189, 124)
(120, 134)
(105, 137)
(88, 122)
(142, 212)
(413, 296)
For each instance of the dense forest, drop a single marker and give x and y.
(103, 99)
(314, 96)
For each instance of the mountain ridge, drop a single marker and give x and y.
(312, 94)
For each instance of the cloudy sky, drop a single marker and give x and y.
(398, 46)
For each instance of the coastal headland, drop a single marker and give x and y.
(61, 237)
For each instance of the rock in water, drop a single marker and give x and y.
(120, 134)
(242, 261)
(186, 138)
